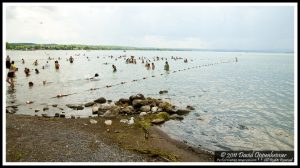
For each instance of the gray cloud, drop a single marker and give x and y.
(226, 27)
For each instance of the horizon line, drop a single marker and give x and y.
(164, 48)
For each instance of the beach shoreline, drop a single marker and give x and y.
(39, 139)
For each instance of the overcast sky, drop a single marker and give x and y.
(164, 26)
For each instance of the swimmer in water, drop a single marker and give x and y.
(96, 77)
(56, 65)
(114, 68)
(30, 84)
(167, 67)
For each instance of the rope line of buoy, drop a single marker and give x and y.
(136, 80)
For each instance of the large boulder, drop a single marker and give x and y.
(123, 101)
(137, 103)
(75, 106)
(114, 111)
(89, 104)
(163, 115)
(158, 121)
(100, 100)
(105, 106)
(109, 114)
(154, 109)
(127, 110)
(138, 96)
(145, 108)
(165, 106)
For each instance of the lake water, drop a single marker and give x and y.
(248, 105)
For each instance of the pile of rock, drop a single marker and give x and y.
(136, 105)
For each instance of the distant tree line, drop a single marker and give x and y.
(32, 46)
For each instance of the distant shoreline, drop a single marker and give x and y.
(35, 47)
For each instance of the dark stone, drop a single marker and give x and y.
(182, 111)
(138, 96)
(163, 91)
(54, 105)
(190, 107)
(45, 115)
(75, 106)
(124, 101)
(56, 115)
(100, 100)
(45, 108)
(62, 116)
(89, 104)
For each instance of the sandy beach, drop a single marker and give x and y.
(39, 139)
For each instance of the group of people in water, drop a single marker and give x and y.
(132, 60)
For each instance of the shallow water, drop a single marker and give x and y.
(248, 105)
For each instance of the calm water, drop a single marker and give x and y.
(247, 105)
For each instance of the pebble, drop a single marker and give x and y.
(108, 122)
(92, 121)
(45, 108)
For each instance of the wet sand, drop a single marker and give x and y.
(39, 139)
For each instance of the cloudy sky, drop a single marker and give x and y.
(143, 25)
